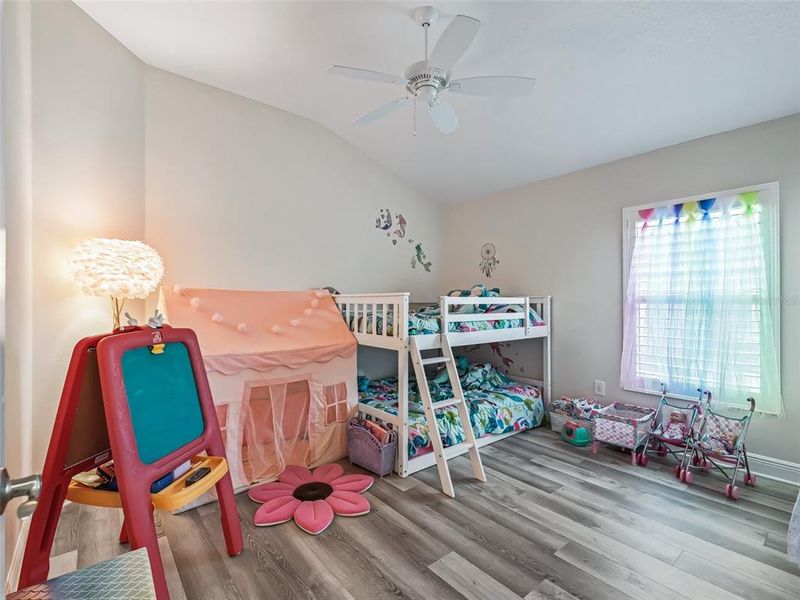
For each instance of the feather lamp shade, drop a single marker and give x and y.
(121, 269)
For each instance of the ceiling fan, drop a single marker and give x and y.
(428, 79)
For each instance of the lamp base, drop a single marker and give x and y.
(116, 311)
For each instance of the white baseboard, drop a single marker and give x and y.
(775, 468)
(15, 564)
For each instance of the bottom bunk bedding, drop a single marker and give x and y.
(496, 405)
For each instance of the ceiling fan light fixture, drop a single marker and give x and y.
(427, 94)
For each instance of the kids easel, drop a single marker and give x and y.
(141, 396)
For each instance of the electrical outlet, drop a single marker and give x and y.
(599, 387)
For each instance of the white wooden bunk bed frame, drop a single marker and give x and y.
(367, 316)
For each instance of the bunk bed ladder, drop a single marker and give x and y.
(441, 453)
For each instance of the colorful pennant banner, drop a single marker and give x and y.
(699, 209)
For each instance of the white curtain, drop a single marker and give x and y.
(702, 300)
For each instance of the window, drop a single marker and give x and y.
(336, 408)
(701, 295)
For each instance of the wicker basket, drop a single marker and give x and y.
(369, 452)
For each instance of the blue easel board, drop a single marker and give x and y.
(163, 400)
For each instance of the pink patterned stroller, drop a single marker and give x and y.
(674, 427)
(720, 443)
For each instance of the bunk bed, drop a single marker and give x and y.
(386, 320)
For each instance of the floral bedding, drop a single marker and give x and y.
(496, 405)
(427, 319)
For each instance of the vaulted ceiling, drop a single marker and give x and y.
(613, 79)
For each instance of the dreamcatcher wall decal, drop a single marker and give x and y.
(489, 261)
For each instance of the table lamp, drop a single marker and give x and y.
(120, 269)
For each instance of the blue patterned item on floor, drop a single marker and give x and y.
(126, 577)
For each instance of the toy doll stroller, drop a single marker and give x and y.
(720, 443)
(673, 428)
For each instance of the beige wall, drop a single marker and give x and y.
(239, 194)
(563, 237)
(77, 104)
(243, 195)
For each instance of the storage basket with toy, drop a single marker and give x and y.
(622, 425)
(566, 409)
(371, 446)
(572, 418)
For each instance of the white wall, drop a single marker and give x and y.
(3, 29)
(244, 195)
(563, 237)
(76, 158)
(88, 179)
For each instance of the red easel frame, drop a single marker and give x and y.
(134, 477)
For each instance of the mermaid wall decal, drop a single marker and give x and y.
(395, 228)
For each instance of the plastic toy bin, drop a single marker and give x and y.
(623, 425)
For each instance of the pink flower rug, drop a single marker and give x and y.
(311, 498)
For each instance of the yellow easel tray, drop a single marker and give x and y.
(172, 497)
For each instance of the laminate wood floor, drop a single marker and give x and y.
(551, 522)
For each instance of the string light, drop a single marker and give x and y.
(195, 302)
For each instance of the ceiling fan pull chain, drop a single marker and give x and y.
(414, 117)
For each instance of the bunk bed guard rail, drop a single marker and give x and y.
(382, 319)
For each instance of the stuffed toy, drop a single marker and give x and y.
(461, 366)
(721, 445)
(677, 428)
(476, 291)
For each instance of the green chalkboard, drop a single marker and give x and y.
(162, 395)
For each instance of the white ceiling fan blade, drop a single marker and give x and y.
(454, 41)
(381, 111)
(443, 116)
(495, 86)
(356, 73)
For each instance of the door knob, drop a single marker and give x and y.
(28, 487)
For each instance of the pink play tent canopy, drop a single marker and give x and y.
(255, 329)
(282, 370)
